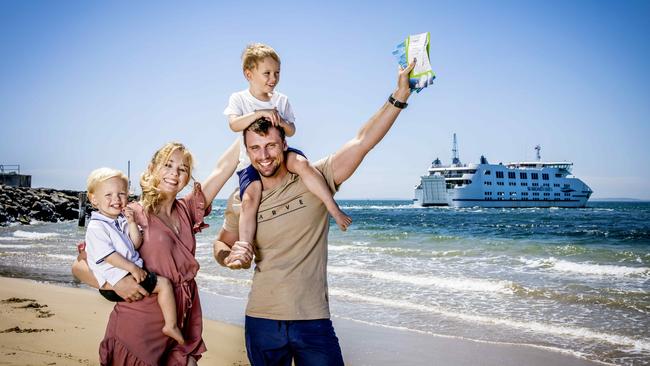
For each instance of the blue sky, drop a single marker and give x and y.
(85, 84)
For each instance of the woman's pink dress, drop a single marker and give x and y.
(133, 334)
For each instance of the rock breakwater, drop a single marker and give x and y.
(23, 205)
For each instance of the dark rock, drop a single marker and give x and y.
(24, 204)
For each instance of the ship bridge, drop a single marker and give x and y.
(561, 165)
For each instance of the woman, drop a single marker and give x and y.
(133, 334)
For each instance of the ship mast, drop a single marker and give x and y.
(455, 159)
(537, 149)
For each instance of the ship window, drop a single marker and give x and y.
(534, 176)
(524, 184)
(556, 184)
(556, 194)
(558, 175)
(487, 172)
(535, 194)
(499, 183)
(499, 174)
(499, 193)
(535, 184)
(523, 175)
(546, 185)
(546, 194)
(524, 193)
(511, 175)
(566, 185)
(512, 183)
(513, 193)
(544, 176)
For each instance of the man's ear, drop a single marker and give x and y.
(248, 74)
(285, 147)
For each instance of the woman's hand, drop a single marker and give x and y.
(138, 274)
(129, 290)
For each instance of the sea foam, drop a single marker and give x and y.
(33, 235)
(456, 284)
(532, 326)
(585, 268)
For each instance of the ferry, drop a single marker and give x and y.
(517, 184)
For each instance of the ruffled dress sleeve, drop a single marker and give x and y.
(198, 209)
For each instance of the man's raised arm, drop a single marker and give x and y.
(346, 160)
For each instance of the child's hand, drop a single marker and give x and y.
(270, 115)
(129, 214)
(139, 274)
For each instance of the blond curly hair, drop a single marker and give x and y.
(255, 53)
(100, 175)
(149, 179)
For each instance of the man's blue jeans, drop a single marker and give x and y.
(276, 342)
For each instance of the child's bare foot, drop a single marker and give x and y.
(342, 220)
(173, 332)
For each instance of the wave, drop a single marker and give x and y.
(16, 246)
(584, 268)
(214, 278)
(532, 326)
(33, 235)
(398, 251)
(66, 257)
(617, 299)
(457, 284)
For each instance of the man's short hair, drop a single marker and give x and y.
(261, 126)
(255, 53)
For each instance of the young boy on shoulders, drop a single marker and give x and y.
(261, 66)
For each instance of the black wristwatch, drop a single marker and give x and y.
(396, 103)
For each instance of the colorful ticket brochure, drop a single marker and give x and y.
(416, 47)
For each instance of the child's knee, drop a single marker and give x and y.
(162, 284)
(297, 162)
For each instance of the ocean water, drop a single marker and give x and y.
(570, 280)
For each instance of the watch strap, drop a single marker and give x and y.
(396, 103)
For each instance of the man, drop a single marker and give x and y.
(287, 316)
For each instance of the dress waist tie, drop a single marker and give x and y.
(186, 288)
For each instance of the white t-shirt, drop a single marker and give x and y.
(243, 102)
(105, 236)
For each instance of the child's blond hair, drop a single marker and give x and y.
(100, 175)
(149, 180)
(255, 53)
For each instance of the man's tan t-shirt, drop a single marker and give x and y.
(290, 277)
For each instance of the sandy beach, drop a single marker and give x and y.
(45, 324)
